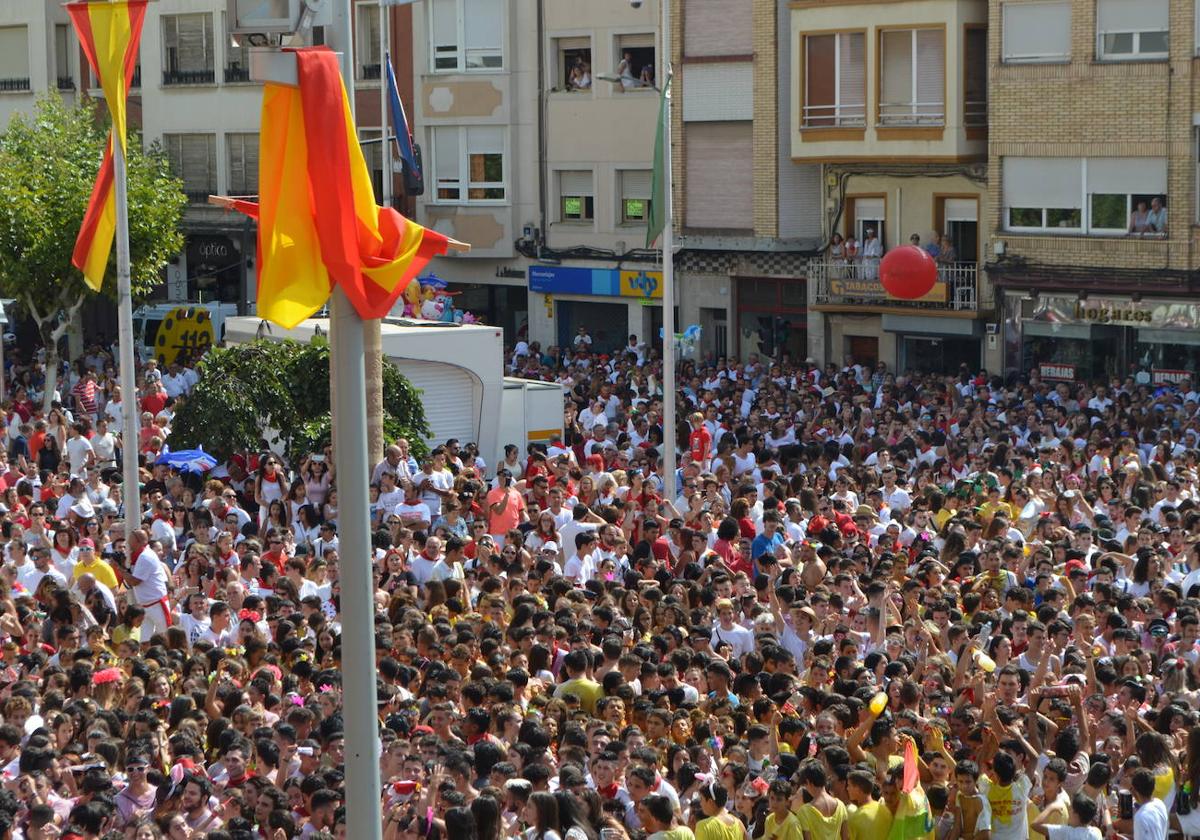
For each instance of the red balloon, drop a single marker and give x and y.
(907, 272)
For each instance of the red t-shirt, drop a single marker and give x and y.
(700, 442)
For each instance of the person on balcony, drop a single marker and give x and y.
(852, 251)
(1157, 218)
(1139, 219)
(837, 255)
(946, 255)
(872, 252)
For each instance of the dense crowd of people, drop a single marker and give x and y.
(952, 606)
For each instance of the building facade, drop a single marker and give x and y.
(38, 53)
(1093, 184)
(891, 100)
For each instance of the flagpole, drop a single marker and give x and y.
(130, 494)
(385, 60)
(668, 270)
(360, 711)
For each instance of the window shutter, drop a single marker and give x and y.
(931, 73)
(575, 183)
(14, 52)
(635, 184)
(446, 160)
(852, 69)
(720, 175)
(896, 81)
(961, 210)
(445, 33)
(1043, 182)
(193, 43)
(1129, 16)
(483, 30)
(820, 78)
(243, 163)
(1037, 31)
(368, 34)
(1127, 176)
(869, 208)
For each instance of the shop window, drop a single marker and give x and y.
(635, 196)
(835, 80)
(1036, 32)
(576, 198)
(574, 63)
(635, 65)
(1132, 31)
(469, 164)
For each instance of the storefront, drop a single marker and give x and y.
(935, 343)
(1100, 338)
(772, 317)
(609, 304)
(506, 307)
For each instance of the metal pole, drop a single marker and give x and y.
(130, 495)
(364, 820)
(668, 272)
(385, 46)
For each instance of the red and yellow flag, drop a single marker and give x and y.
(318, 221)
(109, 33)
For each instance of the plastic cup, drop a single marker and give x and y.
(878, 703)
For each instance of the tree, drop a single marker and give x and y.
(48, 164)
(248, 392)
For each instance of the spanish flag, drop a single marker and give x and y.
(109, 33)
(318, 221)
(912, 819)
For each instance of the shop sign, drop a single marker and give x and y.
(1166, 376)
(1109, 311)
(862, 289)
(603, 282)
(1053, 371)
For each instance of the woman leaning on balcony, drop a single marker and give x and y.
(836, 256)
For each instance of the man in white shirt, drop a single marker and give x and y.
(1151, 820)
(422, 565)
(104, 444)
(31, 574)
(725, 630)
(413, 512)
(80, 454)
(896, 497)
(435, 482)
(175, 383)
(580, 567)
(148, 578)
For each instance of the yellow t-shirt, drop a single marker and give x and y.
(871, 821)
(821, 827)
(100, 570)
(721, 827)
(588, 692)
(789, 830)
(1060, 811)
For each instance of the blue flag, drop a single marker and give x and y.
(400, 123)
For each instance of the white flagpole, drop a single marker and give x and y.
(130, 495)
(385, 43)
(668, 272)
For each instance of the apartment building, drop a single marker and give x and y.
(192, 94)
(891, 99)
(1093, 186)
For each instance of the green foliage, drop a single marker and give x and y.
(48, 164)
(249, 390)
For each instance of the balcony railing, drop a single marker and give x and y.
(835, 116)
(839, 282)
(137, 78)
(370, 72)
(66, 83)
(975, 114)
(173, 78)
(237, 74)
(199, 196)
(10, 85)
(912, 113)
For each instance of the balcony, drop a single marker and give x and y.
(177, 78)
(835, 116)
(370, 72)
(66, 83)
(909, 114)
(235, 74)
(856, 285)
(199, 196)
(14, 85)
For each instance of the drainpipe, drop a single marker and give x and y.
(541, 106)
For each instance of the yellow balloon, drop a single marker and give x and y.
(186, 331)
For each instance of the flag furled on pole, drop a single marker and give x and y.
(109, 33)
(319, 224)
(400, 122)
(658, 181)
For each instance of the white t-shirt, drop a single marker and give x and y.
(1006, 808)
(1150, 821)
(1072, 832)
(442, 480)
(422, 568)
(78, 448)
(153, 576)
(579, 569)
(741, 639)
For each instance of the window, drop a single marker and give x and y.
(467, 34)
(1096, 195)
(635, 61)
(14, 58)
(1126, 31)
(193, 159)
(835, 80)
(242, 154)
(634, 187)
(913, 80)
(870, 214)
(62, 57)
(188, 50)
(237, 56)
(368, 64)
(576, 200)
(975, 71)
(574, 70)
(372, 150)
(1037, 32)
(468, 164)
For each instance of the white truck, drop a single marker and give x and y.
(459, 369)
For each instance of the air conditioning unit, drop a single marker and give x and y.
(277, 17)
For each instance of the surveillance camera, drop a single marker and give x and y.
(635, 4)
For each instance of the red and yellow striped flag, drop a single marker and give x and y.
(109, 33)
(318, 224)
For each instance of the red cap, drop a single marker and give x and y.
(817, 524)
(86, 542)
(1072, 565)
